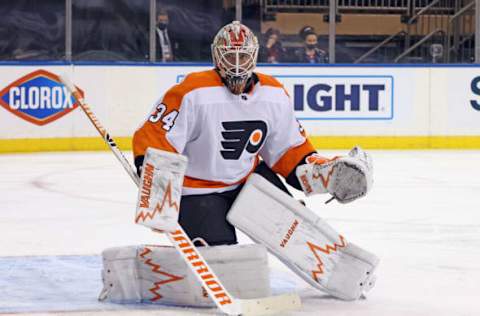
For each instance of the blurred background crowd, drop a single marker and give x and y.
(290, 31)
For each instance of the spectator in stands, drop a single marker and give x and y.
(310, 52)
(272, 51)
(165, 44)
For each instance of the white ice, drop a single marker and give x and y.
(422, 219)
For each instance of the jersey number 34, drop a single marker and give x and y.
(168, 119)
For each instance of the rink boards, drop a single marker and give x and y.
(377, 107)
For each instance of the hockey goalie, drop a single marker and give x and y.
(211, 156)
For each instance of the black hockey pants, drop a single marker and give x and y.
(204, 215)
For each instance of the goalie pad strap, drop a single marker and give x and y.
(302, 240)
(156, 274)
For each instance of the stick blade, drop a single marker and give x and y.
(270, 305)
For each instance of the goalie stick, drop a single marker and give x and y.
(185, 247)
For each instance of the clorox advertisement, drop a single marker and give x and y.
(38, 110)
(38, 97)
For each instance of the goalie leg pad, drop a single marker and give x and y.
(157, 274)
(160, 189)
(302, 240)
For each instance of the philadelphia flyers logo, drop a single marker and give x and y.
(242, 135)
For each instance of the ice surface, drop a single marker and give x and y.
(58, 211)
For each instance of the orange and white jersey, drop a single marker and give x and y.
(222, 134)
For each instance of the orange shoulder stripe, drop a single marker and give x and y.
(152, 134)
(266, 80)
(173, 98)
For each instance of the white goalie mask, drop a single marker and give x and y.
(234, 53)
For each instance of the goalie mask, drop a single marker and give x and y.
(234, 53)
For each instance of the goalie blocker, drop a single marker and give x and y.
(302, 240)
(160, 189)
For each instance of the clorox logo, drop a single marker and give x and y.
(39, 98)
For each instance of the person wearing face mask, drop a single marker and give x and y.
(165, 45)
(272, 51)
(310, 53)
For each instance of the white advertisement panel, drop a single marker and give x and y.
(332, 101)
(455, 104)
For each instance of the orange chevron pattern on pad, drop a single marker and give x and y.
(327, 250)
(156, 269)
(143, 216)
